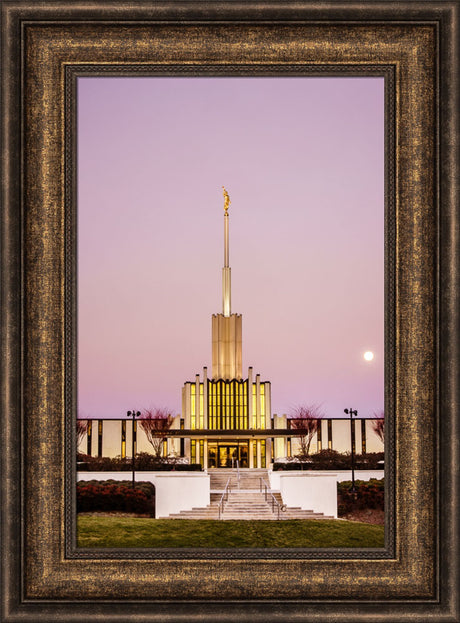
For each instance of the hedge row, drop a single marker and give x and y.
(144, 462)
(369, 494)
(111, 495)
(330, 459)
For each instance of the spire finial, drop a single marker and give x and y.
(226, 200)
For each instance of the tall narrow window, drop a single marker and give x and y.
(90, 438)
(262, 405)
(363, 436)
(254, 406)
(245, 405)
(193, 450)
(263, 453)
(201, 452)
(212, 406)
(329, 434)
(227, 406)
(201, 406)
(192, 406)
(182, 440)
(123, 439)
(254, 450)
(99, 438)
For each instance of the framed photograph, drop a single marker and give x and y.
(304, 158)
(49, 51)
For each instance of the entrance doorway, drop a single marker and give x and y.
(226, 454)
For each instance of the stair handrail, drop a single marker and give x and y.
(224, 497)
(268, 491)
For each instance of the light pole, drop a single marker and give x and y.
(134, 414)
(352, 434)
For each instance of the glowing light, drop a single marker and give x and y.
(368, 355)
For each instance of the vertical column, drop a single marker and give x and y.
(251, 453)
(257, 400)
(258, 454)
(268, 452)
(197, 401)
(205, 455)
(205, 397)
(250, 397)
(268, 404)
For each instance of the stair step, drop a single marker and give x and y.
(245, 500)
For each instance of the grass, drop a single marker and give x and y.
(112, 531)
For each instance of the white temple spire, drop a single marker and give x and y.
(226, 271)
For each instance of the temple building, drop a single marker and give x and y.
(231, 412)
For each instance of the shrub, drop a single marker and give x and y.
(111, 495)
(144, 462)
(368, 495)
(332, 460)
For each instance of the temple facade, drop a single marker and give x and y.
(226, 419)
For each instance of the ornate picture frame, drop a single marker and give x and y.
(44, 576)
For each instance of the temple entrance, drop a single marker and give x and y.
(228, 454)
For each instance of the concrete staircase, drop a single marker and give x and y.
(245, 500)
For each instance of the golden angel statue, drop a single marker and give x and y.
(226, 200)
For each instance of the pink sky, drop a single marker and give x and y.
(303, 162)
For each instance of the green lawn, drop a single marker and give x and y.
(111, 531)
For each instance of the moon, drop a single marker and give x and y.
(368, 355)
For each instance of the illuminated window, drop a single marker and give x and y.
(201, 406)
(99, 438)
(254, 406)
(193, 450)
(254, 453)
(363, 436)
(329, 434)
(263, 454)
(192, 406)
(182, 440)
(202, 452)
(262, 406)
(165, 447)
(123, 440)
(89, 439)
(227, 407)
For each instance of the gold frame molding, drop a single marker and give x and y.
(42, 44)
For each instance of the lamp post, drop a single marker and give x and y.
(352, 434)
(134, 414)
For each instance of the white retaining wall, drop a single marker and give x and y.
(309, 490)
(174, 491)
(315, 490)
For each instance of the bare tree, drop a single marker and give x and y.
(305, 421)
(156, 423)
(378, 425)
(82, 429)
